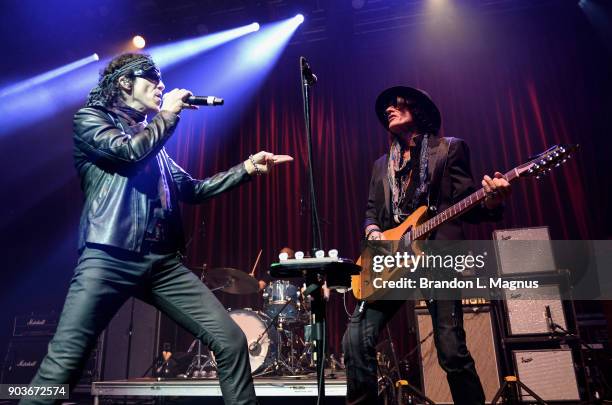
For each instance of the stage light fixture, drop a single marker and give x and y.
(299, 18)
(139, 42)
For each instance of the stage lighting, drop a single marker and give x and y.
(170, 54)
(45, 77)
(138, 42)
(299, 18)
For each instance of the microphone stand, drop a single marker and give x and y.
(308, 79)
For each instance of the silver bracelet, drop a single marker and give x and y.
(257, 171)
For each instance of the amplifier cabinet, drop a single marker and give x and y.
(515, 255)
(477, 322)
(25, 354)
(526, 310)
(548, 373)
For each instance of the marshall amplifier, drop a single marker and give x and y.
(23, 359)
(35, 324)
(25, 354)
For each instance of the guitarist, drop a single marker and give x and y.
(421, 168)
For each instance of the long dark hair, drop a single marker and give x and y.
(107, 92)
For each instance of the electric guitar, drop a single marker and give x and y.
(418, 226)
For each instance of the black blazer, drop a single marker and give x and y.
(450, 180)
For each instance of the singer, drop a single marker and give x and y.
(130, 233)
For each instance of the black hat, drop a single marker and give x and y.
(419, 97)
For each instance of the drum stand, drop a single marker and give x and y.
(280, 363)
(197, 368)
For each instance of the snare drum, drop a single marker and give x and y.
(253, 324)
(276, 295)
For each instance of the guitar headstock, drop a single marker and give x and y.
(543, 163)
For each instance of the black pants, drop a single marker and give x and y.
(105, 278)
(360, 340)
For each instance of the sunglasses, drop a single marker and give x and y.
(398, 102)
(150, 73)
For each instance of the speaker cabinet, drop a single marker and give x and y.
(131, 341)
(526, 309)
(477, 322)
(24, 355)
(548, 373)
(515, 255)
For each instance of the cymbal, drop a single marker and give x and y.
(232, 280)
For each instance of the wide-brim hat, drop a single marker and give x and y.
(417, 96)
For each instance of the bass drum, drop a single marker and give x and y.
(253, 324)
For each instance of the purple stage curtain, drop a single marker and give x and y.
(507, 109)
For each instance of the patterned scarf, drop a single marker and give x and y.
(398, 175)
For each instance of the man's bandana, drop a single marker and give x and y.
(142, 67)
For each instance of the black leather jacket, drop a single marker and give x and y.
(114, 162)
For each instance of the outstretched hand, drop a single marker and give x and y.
(263, 162)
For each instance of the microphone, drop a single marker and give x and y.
(255, 348)
(204, 100)
(310, 77)
(549, 321)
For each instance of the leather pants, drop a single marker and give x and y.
(105, 278)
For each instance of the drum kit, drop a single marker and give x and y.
(275, 335)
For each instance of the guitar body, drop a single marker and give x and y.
(362, 286)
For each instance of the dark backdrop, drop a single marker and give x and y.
(511, 84)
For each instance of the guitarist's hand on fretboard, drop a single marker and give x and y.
(497, 189)
(376, 235)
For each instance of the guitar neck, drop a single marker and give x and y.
(457, 209)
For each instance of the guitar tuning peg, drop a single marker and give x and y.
(558, 164)
(564, 160)
(538, 177)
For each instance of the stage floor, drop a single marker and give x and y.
(207, 387)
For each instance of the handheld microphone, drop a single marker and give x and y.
(204, 100)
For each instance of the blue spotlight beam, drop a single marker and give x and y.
(257, 55)
(45, 77)
(61, 88)
(168, 55)
(234, 72)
